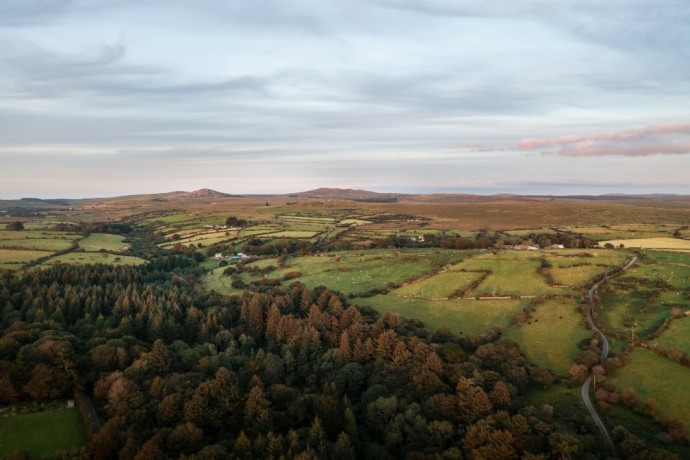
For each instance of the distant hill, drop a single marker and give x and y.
(350, 194)
(206, 193)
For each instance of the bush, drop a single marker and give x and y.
(16, 226)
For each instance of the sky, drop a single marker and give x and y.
(118, 97)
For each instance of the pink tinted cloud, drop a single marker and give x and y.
(672, 138)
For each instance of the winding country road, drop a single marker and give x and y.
(604, 354)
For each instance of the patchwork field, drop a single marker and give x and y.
(40, 433)
(646, 294)
(510, 276)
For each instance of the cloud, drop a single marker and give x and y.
(672, 138)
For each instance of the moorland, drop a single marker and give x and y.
(343, 324)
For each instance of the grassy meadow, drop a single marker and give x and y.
(461, 316)
(655, 377)
(102, 241)
(442, 285)
(40, 433)
(541, 337)
(93, 258)
(653, 243)
(676, 337)
(646, 294)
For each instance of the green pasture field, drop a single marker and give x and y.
(381, 232)
(653, 243)
(542, 339)
(102, 241)
(12, 257)
(40, 433)
(623, 309)
(676, 275)
(37, 244)
(655, 377)
(305, 226)
(623, 231)
(529, 231)
(294, 234)
(355, 278)
(356, 272)
(570, 257)
(175, 218)
(461, 316)
(93, 258)
(438, 286)
(262, 230)
(37, 234)
(207, 239)
(216, 281)
(676, 337)
(510, 277)
(37, 240)
(577, 270)
(667, 257)
(634, 299)
(577, 276)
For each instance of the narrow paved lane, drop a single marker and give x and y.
(604, 354)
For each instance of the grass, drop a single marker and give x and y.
(645, 295)
(102, 241)
(94, 258)
(652, 376)
(40, 433)
(37, 244)
(461, 316)
(578, 276)
(356, 272)
(510, 276)
(438, 286)
(542, 339)
(17, 256)
(216, 281)
(624, 231)
(675, 337)
(39, 240)
(294, 234)
(668, 257)
(652, 243)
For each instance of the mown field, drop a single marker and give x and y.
(40, 433)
